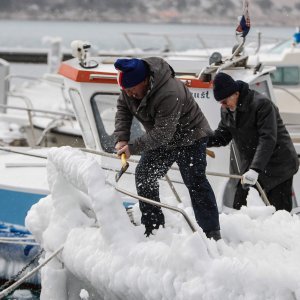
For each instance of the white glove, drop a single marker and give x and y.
(250, 177)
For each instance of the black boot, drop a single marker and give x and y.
(153, 222)
(215, 234)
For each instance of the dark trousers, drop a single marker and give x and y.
(280, 196)
(191, 161)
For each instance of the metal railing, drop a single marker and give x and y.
(149, 201)
(30, 111)
(12, 287)
(143, 199)
(234, 176)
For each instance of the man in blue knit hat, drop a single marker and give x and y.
(175, 131)
(262, 147)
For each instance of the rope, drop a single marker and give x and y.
(21, 280)
(14, 277)
(23, 153)
(17, 238)
(18, 242)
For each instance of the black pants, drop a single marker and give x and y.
(191, 161)
(280, 196)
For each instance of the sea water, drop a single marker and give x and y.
(110, 36)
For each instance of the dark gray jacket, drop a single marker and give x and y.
(259, 138)
(169, 113)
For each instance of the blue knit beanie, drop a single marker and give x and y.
(131, 72)
(224, 86)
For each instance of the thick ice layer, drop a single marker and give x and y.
(111, 258)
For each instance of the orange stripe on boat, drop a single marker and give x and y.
(196, 83)
(80, 75)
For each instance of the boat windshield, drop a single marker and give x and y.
(104, 107)
(286, 76)
(279, 48)
(262, 87)
(82, 118)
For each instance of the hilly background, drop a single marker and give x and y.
(262, 12)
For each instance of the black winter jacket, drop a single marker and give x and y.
(259, 138)
(169, 113)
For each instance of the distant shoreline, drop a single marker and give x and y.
(208, 12)
(159, 22)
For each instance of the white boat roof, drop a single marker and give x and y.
(289, 56)
(72, 70)
(23, 173)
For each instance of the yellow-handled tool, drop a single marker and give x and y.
(210, 153)
(124, 167)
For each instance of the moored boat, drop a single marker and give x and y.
(94, 91)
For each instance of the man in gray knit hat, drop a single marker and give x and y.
(263, 147)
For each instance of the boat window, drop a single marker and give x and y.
(286, 76)
(104, 107)
(82, 118)
(276, 76)
(262, 87)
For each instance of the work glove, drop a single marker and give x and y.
(249, 178)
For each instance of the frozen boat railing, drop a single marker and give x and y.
(49, 78)
(160, 204)
(11, 76)
(17, 242)
(53, 79)
(167, 37)
(260, 189)
(44, 111)
(12, 287)
(193, 41)
(110, 155)
(34, 78)
(55, 123)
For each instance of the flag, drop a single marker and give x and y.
(244, 25)
(296, 36)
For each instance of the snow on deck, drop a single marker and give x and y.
(258, 257)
